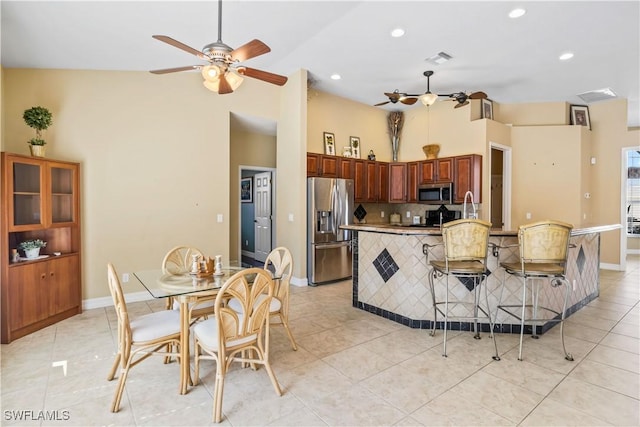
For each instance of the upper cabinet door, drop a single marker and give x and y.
(41, 193)
(26, 199)
(63, 194)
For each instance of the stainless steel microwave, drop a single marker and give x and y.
(436, 194)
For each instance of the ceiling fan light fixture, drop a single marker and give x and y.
(211, 73)
(428, 98)
(233, 79)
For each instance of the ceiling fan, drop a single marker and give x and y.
(396, 96)
(429, 98)
(222, 74)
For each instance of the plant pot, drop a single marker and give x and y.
(37, 150)
(32, 253)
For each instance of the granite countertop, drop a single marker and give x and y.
(411, 229)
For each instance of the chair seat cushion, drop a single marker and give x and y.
(155, 325)
(273, 307)
(207, 333)
(534, 268)
(459, 267)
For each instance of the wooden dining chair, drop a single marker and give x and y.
(178, 261)
(280, 263)
(151, 334)
(232, 336)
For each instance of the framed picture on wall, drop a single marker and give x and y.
(246, 190)
(487, 109)
(580, 115)
(329, 144)
(354, 143)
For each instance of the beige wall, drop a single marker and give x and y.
(154, 152)
(537, 132)
(156, 160)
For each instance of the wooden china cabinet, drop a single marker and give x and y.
(40, 200)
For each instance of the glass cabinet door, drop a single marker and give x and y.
(27, 194)
(61, 179)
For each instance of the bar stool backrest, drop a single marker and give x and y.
(544, 242)
(466, 240)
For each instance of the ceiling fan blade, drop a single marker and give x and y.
(478, 95)
(408, 101)
(381, 103)
(179, 45)
(275, 79)
(173, 70)
(461, 104)
(250, 50)
(224, 87)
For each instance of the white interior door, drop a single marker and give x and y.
(262, 202)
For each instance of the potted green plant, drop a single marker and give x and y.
(40, 119)
(32, 247)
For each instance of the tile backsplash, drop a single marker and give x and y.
(374, 211)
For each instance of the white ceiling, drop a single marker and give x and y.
(512, 60)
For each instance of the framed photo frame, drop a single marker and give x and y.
(580, 115)
(354, 143)
(246, 190)
(329, 143)
(487, 108)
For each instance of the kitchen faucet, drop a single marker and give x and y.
(464, 208)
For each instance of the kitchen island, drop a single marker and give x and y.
(390, 274)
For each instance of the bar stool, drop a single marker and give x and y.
(466, 243)
(544, 246)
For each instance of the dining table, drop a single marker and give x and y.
(186, 288)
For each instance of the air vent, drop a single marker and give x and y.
(597, 95)
(439, 58)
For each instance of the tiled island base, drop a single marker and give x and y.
(390, 277)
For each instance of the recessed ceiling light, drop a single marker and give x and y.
(336, 76)
(565, 56)
(397, 32)
(517, 13)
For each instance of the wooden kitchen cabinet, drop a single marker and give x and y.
(322, 165)
(398, 179)
(413, 180)
(42, 201)
(468, 177)
(436, 171)
(345, 168)
(313, 164)
(382, 182)
(359, 180)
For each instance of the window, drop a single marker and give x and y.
(633, 193)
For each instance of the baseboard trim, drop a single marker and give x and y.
(101, 302)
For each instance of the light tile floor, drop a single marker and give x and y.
(352, 368)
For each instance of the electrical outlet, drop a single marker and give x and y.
(408, 214)
(290, 217)
(246, 243)
(125, 277)
(381, 214)
(528, 215)
(219, 217)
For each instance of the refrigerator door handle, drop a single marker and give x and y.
(334, 245)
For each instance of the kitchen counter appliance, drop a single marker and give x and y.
(330, 204)
(432, 217)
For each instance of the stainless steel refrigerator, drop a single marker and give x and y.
(329, 205)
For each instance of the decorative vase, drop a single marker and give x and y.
(431, 151)
(395, 144)
(32, 253)
(37, 150)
